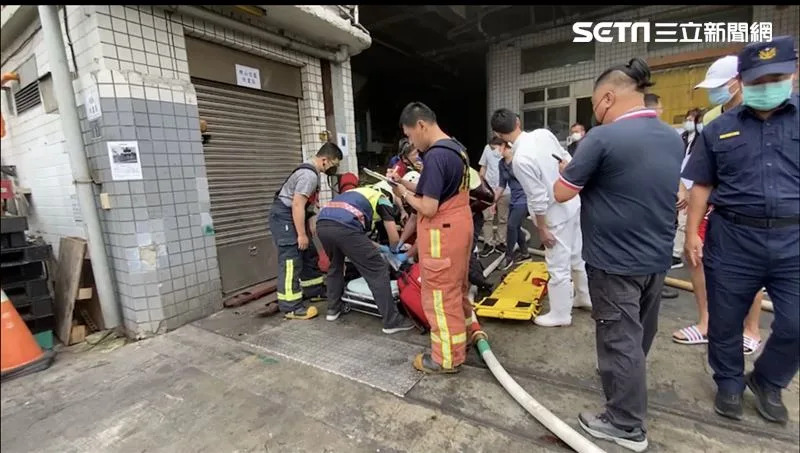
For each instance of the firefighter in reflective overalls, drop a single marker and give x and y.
(444, 238)
(747, 165)
(299, 278)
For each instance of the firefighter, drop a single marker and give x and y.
(444, 238)
(299, 277)
(343, 226)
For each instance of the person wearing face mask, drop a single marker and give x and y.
(689, 128)
(576, 133)
(746, 164)
(299, 279)
(724, 90)
(620, 178)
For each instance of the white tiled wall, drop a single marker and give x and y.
(503, 60)
(34, 140)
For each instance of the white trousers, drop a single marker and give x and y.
(566, 266)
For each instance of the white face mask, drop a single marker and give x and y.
(688, 126)
(576, 136)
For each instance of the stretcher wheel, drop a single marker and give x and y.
(346, 308)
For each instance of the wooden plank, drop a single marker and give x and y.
(85, 293)
(77, 334)
(92, 305)
(68, 276)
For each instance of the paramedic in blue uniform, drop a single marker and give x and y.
(747, 164)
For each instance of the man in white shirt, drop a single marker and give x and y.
(497, 214)
(558, 224)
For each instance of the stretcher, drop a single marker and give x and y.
(519, 295)
(358, 297)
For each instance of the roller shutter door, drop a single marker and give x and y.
(255, 143)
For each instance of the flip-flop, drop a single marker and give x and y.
(751, 345)
(691, 336)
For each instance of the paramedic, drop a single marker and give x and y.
(342, 226)
(628, 195)
(288, 223)
(746, 165)
(559, 224)
(444, 237)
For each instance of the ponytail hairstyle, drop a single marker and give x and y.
(635, 72)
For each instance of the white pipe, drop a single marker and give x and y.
(198, 13)
(73, 140)
(490, 268)
(562, 430)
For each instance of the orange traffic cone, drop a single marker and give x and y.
(19, 352)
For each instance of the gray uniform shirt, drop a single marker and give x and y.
(303, 181)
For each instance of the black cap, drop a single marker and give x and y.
(758, 59)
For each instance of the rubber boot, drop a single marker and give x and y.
(581, 284)
(560, 313)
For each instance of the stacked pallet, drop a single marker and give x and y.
(25, 278)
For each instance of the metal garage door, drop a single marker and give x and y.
(255, 143)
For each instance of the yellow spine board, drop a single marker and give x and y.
(519, 296)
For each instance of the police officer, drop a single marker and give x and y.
(343, 225)
(746, 164)
(299, 277)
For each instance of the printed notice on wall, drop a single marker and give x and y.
(91, 101)
(126, 163)
(248, 77)
(341, 140)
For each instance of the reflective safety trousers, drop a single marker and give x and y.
(445, 243)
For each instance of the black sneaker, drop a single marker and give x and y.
(507, 263)
(768, 401)
(677, 262)
(333, 314)
(523, 255)
(600, 427)
(401, 325)
(487, 250)
(500, 248)
(728, 405)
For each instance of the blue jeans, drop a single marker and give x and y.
(514, 235)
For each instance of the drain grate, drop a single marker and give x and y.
(379, 362)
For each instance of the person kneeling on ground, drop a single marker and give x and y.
(342, 227)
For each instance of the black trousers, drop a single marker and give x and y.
(339, 242)
(625, 310)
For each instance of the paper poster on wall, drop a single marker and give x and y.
(126, 163)
(91, 101)
(248, 77)
(341, 140)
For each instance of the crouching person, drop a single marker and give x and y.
(343, 226)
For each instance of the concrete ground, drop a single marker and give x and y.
(201, 388)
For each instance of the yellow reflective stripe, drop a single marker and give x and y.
(441, 319)
(313, 282)
(435, 338)
(292, 298)
(436, 243)
(287, 283)
(460, 338)
(729, 135)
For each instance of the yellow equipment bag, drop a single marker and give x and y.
(520, 294)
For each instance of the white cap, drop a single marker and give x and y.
(720, 72)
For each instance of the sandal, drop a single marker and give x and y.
(751, 345)
(691, 336)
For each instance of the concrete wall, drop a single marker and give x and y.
(505, 82)
(164, 264)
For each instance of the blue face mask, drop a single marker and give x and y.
(767, 96)
(719, 95)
